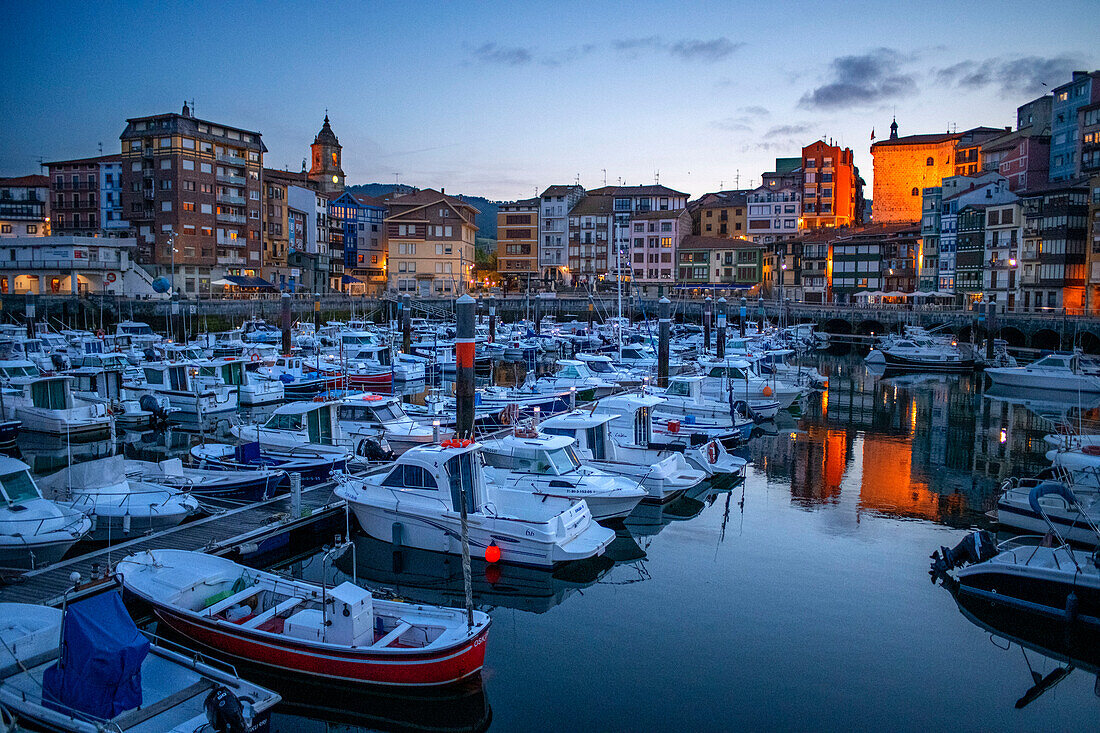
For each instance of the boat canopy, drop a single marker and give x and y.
(1047, 488)
(99, 672)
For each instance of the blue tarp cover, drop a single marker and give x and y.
(99, 672)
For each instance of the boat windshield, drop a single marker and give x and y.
(21, 371)
(138, 330)
(285, 422)
(599, 367)
(18, 487)
(678, 389)
(563, 460)
(387, 413)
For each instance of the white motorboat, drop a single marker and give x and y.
(734, 377)
(100, 673)
(141, 335)
(547, 466)
(46, 405)
(104, 386)
(644, 357)
(664, 474)
(925, 356)
(302, 428)
(573, 374)
(1076, 518)
(174, 381)
(603, 367)
(120, 508)
(685, 404)
(383, 418)
(417, 502)
(34, 531)
(632, 427)
(1055, 371)
(230, 372)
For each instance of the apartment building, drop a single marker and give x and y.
(970, 250)
(362, 233)
(590, 250)
(774, 213)
(1053, 261)
(720, 214)
(877, 257)
(518, 240)
(1092, 294)
(86, 197)
(1082, 91)
(1004, 228)
(431, 243)
(24, 206)
(832, 190)
(191, 189)
(735, 263)
(556, 203)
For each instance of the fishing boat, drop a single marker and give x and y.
(384, 419)
(1050, 579)
(573, 374)
(547, 466)
(175, 381)
(119, 507)
(46, 405)
(104, 386)
(664, 474)
(1055, 371)
(302, 380)
(684, 404)
(734, 379)
(34, 531)
(230, 372)
(603, 367)
(240, 485)
(417, 502)
(88, 669)
(293, 626)
(314, 465)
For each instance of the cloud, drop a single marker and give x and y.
(787, 130)
(755, 111)
(709, 51)
(1021, 75)
(861, 80)
(492, 53)
(732, 124)
(568, 55)
(688, 49)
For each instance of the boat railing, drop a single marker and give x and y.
(76, 519)
(194, 658)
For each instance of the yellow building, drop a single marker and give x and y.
(431, 243)
(720, 214)
(276, 231)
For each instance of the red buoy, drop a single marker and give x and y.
(492, 553)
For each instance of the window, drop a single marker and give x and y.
(165, 205)
(916, 191)
(930, 161)
(188, 165)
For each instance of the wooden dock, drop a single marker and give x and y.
(244, 530)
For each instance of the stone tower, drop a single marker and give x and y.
(326, 170)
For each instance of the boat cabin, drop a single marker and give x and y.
(729, 370)
(369, 408)
(96, 382)
(688, 388)
(377, 354)
(179, 352)
(314, 422)
(542, 454)
(631, 422)
(588, 430)
(16, 484)
(228, 370)
(14, 368)
(46, 393)
(1057, 362)
(598, 363)
(102, 361)
(441, 471)
(168, 377)
(637, 352)
(357, 338)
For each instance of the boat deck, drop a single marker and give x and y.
(219, 534)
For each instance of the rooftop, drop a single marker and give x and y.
(113, 158)
(593, 205)
(558, 191)
(695, 241)
(654, 190)
(27, 181)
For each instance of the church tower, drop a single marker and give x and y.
(326, 170)
(893, 128)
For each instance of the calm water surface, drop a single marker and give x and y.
(798, 601)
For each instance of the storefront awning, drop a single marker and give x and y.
(244, 281)
(348, 280)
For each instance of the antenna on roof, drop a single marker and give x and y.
(737, 178)
(657, 178)
(577, 180)
(41, 164)
(101, 148)
(604, 175)
(721, 184)
(620, 180)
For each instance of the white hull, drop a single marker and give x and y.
(1023, 379)
(1011, 516)
(31, 554)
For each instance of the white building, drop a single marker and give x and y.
(76, 265)
(773, 213)
(956, 193)
(555, 203)
(1004, 236)
(111, 217)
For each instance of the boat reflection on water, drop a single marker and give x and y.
(45, 454)
(436, 578)
(1056, 404)
(156, 446)
(624, 548)
(1069, 647)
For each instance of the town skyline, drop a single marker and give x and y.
(701, 99)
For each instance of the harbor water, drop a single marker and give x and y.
(798, 600)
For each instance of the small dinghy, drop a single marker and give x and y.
(340, 633)
(119, 507)
(241, 485)
(108, 677)
(315, 466)
(33, 531)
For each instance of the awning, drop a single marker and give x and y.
(223, 282)
(244, 281)
(348, 280)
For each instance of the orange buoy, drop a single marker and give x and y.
(767, 391)
(492, 553)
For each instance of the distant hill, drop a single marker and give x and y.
(486, 220)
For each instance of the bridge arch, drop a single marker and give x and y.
(870, 326)
(837, 326)
(1013, 336)
(1046, 338)
(1089, 342)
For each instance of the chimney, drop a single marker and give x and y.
(186, 109)
(442, 190)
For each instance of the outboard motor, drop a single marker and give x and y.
(60, 361)
(150, 403)
(372, 450)
(224, 711)
(976, 547)
(150, 354)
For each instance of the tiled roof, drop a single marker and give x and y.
(558, 191)
(28, 181)
(695, 241)
(919, 139)
(593, 205)
(654, 190)
(113, 158)
(673, 214)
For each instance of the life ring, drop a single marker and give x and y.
(712, 452)
(255, 357)
(100, 333)
(111, 277)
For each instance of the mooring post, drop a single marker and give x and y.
(665, 326)
(30, 315)
(722, 307)
(492, 318)
(708, 307)
(538, 315)
(744, 314)
(464, 363)
(406, 323)
(760, 328)
(284, 301)
(990, 329)
(295, 495)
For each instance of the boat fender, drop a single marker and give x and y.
(126, 523)
(1071, 607)
(976, 547)
(224, 711)
(397, 534)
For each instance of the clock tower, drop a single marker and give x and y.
(326, 170)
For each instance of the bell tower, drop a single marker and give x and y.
(326, 170)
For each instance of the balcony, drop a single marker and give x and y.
(226, 242)
(149, 194)
(231, 159)
(147, 152)
(224, 198)
(234, 260)
(231, 180)
(231, 218)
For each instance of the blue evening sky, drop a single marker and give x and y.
(501, 98)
